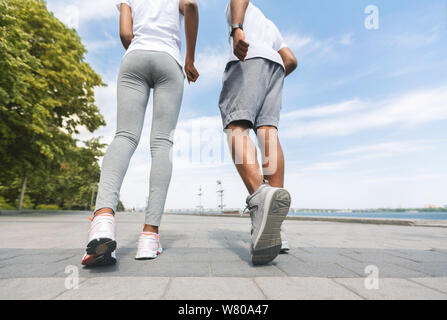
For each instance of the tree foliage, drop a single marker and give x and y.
(46, 95)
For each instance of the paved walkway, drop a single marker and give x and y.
(208, 258)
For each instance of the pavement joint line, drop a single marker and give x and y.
(298, 258)
(210, 270)
(353, 259)
(285, 274)
(67, 290)
(411, 269)
(9, 258)
(66, 258)
(347, 288)
(307, 251)
(376, 221)
(259, 288)
(426, 286)
(439, 252)
(168, 286)
(346, 268)
(405, 258)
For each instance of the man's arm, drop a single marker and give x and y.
(126, 25)
(238, 10)
(289, 59)
(191, 12)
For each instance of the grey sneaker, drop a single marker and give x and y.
(284, 243)
(268, 208)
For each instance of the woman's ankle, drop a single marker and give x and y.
(104, 210)
(148, 228)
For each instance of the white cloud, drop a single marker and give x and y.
(82, 10)
(361, 154)
(304, 45)
(346, 39)
(410, 109)
(415, 178)
(416, 40)
(388, 148)
(211, 64)
(104, 43)
(324, 111)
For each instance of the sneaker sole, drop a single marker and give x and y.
(152, 257)
(100, 251)
(267, 248)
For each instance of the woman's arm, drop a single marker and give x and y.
(190, 10)
(126, 25)
(289, 59)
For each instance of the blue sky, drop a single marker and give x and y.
(364, 117)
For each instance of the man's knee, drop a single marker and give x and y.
(242, 125)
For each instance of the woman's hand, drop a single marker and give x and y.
(191, 72)
(191, 12)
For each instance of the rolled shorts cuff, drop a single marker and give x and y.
(237, 116)
(267, 122)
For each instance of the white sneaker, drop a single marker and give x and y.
(268, 208)
(149, 246)
(284, 243)
(101, 241)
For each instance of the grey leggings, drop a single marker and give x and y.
(140, 71)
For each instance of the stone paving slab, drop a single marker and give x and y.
(439, 284)
(31, 288)
(393, 289)
(293, 288)
(118, 288)
(326, 261)
(214, 289)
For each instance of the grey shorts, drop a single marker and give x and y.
(252, 91)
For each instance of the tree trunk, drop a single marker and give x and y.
(22, 192)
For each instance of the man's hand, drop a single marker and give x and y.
(289, 59)
(240, 46)
(191, 72)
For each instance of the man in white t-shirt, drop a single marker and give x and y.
(251, 99)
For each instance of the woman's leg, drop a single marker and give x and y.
(133, 95)
(168, 93)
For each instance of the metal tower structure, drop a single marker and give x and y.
(220, 194)
(200, 194)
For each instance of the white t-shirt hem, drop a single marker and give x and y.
(260, 52)
(154, 47)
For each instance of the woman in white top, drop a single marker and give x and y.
(150, 31)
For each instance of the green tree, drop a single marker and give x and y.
(46, 91)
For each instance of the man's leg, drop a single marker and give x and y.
(273, 166)
(272, 156)
(244, 154)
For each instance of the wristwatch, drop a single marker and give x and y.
(234, 27)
